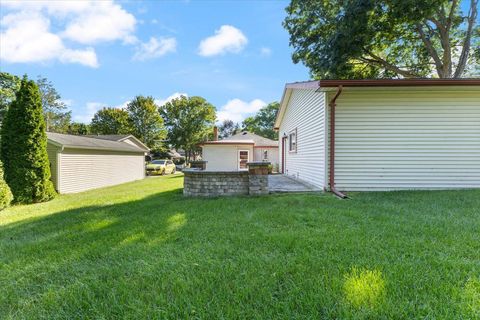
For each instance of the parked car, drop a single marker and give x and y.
(160, 167)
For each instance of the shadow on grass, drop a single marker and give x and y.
(268, 254)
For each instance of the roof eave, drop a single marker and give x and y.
(100, 148)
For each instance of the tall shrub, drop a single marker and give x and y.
(5, 193)
(24, 147)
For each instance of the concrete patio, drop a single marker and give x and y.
(279, 183)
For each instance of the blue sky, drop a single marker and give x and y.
(233, 53)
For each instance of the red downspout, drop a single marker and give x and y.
(332, 105)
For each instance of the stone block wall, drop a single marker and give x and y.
(258, 178)
(201, 183)
(211, 184)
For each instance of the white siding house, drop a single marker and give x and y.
(305, 117)
(82, 163)
(389, 135)
(232, 153)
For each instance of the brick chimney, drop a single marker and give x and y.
(215, 133)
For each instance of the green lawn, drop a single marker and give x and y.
(141, 250)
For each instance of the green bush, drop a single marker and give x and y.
(5, 193)
(24, 147)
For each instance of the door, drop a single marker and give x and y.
(243, 156)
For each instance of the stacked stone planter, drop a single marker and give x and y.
(202, 183)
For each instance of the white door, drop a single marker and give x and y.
(243, 156)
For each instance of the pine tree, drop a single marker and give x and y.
(5, 193)
(24, 147)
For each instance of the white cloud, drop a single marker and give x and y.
(90, 109)
(265, 51)
(101, 21)
(155, 48)
(161, 102)
(226, 39)
(237, 110)
(27, 39)
(27, 36)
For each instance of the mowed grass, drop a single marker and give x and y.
(142, 250)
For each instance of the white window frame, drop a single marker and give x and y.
(265, 154)
(294, 148)
(238, 159)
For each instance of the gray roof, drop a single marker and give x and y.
(111, 137)
(83, 142)
(258, 140)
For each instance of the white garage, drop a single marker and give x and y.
(80, 163)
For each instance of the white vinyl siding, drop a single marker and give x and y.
(305, 112)
(272, 154)
(82, 170)
(224, 157)
(52, 152)
(406, 140)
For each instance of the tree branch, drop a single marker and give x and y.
(468, 37)
(431, 50)
(387, 65)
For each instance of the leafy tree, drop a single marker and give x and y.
(24, 147)
(188, 121)
(145, 121)
(385, 38)
(9, 85)
(77, 128)
(57, 118)
(110, 121)
(228, 128)
(262, 123)
(6, 196)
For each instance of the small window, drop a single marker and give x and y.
(292, 141)
(265, 154)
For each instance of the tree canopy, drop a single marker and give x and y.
(55, 111)
(189, 120)
(145, 121)
(110, 121)
(9, 85)
(227, 128)
(262, 123)
(385, 38)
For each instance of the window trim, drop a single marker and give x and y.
(290, 149)
(238, 159)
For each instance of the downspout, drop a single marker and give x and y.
(332, 105)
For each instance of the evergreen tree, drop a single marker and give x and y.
(5, 193)
(24, 147)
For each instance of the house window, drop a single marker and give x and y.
(242, 159)
(265, 154)
(292, 141)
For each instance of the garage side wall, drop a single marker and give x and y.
(305, 112)
(82, 170)
(408, 140)
(52, 152)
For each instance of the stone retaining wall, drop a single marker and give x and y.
(201, 183)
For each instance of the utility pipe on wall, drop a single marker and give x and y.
(332, 105)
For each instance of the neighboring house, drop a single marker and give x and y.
(381, 134)
(233, 153)
(80, 163)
